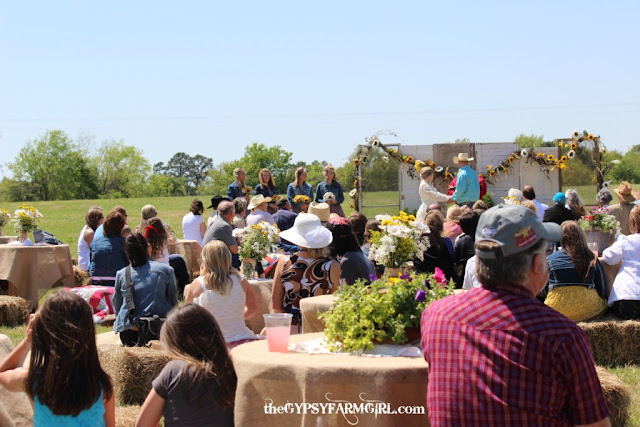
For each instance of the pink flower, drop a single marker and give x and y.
(439, 277)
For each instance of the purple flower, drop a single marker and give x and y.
(439, 277)
(421, 296)
(407, 277)
(427, 283)
(373, 277)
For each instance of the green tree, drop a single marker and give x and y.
(192, 168)
(55, 168)
(165, 185)
(219, 178)
(627, 170)
(122, 170)
(257, 156)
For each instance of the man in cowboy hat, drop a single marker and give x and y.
(321, 210)
(467, 183)
(259, 210)
(622, 209)
(215, 201)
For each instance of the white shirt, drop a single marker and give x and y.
(540, 208)
(626, 285)
(83, 251)
(257, 216)
(191, 227)
(227, 309)
(428, 196)
(470, 280)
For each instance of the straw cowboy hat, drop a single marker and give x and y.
(257, 201)
(308, 232)
(462, 157)
(321, 210)
(624, 192)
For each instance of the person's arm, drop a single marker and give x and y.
(203, 228)
(291, 194)
(88, 236)
(614, 253)
(334, 276)
(277, 290)
(12, 373)
(110, 410)
(230, 192)
(251, 305)
(319, 193)
(151, 410)
(233, 249)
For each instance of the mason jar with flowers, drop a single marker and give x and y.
(386, 311)
(255, 242)
(5, 217)
(401, 238)
(600, 227)
(25, 220)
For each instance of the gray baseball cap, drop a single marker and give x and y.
(515, 228)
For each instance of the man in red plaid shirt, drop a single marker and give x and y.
(499, 357)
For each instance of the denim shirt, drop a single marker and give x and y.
(334, 188)
(305, 190)
(233, 191)
(107, 256)
(265, 190)
(563, 273)
(154, 292)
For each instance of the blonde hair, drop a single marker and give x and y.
(299, 171)
(425, 172)
(316, 253)
(147, 212)
(217, 263)
(529, 204)
(454, 213)
(237, 172)
(328, 168)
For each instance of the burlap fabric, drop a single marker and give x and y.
(262, 290)
(190, 251)
(292, 377)
(15, 408)
(34, 269)
(311, 308)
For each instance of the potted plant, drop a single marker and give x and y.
(600, 227)
(401, 238)
(389, 309)
(25, 219)
(255, 242)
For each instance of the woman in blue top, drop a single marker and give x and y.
(330, 185)
(107, 251)
(267, 187)
(64, 378)
(154, 289)
(299, 187)
(237, 187)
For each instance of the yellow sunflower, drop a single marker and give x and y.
(492, 172)
(512, 158)
(551, 158)
(408, 159)
(433, 165)
(448, 175)
(590, 137)
(564, 159)
(560, 144)
(356, 162)
(574, 145)
(540, 155)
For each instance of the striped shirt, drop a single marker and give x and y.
(500, 357)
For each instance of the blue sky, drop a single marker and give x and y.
(211, 77)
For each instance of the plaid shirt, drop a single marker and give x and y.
(500, 357)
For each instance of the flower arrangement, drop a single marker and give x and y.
(25, 219)
(5, 217)
(275, 197)
(383, 310)
(599, 219)
(510, 200)
(256, 241)
(247, 189)
(401, 238)
(301, 198)
(328, 196)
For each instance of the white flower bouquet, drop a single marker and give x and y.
(5, 217)
(401, 238)
(328, 196)
(256, 241)
(25, 219)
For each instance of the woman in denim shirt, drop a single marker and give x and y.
(299, 187)
(330, 185)
(154, 289)
(107, 251)
(236, 188)
(267, 187)
(577, 287)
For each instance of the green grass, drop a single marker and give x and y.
(588, 192)
(630, 375)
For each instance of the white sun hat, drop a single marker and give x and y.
(308, 232)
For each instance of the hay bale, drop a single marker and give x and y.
(617, 395)
(14, 311)
(614, 342)
(81, 277)
(126, 415)
(132, 369)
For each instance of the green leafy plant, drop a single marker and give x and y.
(363, 315)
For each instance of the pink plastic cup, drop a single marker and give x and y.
(278, 329)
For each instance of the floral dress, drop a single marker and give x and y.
(305, 278)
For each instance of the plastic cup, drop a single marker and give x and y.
(278, 329)
(594, 248)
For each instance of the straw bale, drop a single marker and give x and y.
(614, 342)
(81, 277)
(132, 369)
(126, 415)
(617, 395)
(14, 311)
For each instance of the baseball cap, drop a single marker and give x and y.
(560, 198)
(515, 228)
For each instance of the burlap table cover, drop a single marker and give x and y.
(311, 308)
(280, 378)
(262, 290)
(7, 239)
(34, 269)
(190, 251)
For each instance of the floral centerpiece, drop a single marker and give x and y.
(385, 310)
(301, 198)
(401, 238)
(599, 219)
(25, 219)
(5, 217)
(255, 242)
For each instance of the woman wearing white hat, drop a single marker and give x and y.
(308, 273)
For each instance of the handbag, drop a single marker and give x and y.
(148, 326)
